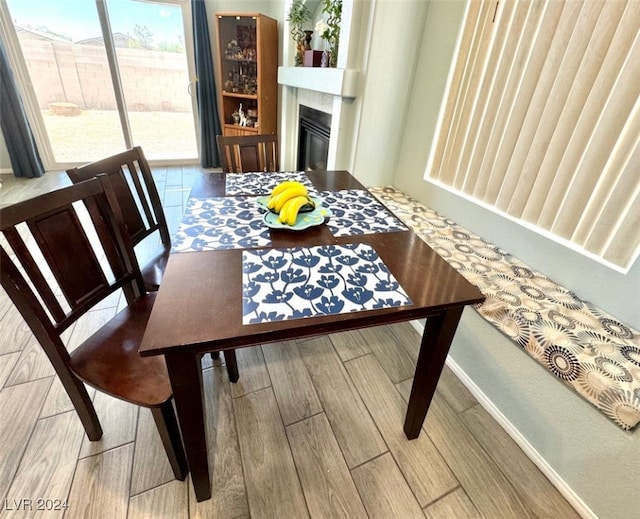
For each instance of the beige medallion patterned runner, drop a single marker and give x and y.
(588, 349)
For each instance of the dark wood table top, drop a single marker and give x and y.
(199, 305)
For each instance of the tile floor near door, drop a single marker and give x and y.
(313, 428)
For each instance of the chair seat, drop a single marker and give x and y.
(154, 267)
(141, 380)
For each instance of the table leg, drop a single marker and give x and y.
(232, 365)
(436, 341)
(185, 374)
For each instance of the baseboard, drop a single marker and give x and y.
(556, 480)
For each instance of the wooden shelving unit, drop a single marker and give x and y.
(248, 65)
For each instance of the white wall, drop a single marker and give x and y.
(596, 459)
(389, 68)
(271, 8)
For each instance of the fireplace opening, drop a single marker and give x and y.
(313, 139)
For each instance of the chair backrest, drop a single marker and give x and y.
(133, 183)
(248, 153)
(57, 262)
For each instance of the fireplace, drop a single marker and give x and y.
(313, 139)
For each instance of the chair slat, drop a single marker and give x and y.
(25, 258)
(132, 180)
(130, 209)
(246, 153)
(79, 275)
(142, 194)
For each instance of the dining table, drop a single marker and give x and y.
(237, 278)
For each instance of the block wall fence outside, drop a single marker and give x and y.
(73, 73)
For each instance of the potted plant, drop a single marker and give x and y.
(330, 30)
(298, 16)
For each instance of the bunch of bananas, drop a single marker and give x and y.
(288, 199)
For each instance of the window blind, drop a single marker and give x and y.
(542, 119)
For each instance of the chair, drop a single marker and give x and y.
(56, 264)
(135, 188)
(246, 153)
(132, 181)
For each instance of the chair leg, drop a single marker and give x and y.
(232, 365)
(167, 424)
(82, 403)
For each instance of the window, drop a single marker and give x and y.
(101, 76)
(542, 120)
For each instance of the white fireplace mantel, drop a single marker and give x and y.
(335, 81)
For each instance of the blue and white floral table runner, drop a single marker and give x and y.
(221, 223)
(236, 222)
(280, 284)
(262, 183)
(355, 211)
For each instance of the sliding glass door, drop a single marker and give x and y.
(104, 75)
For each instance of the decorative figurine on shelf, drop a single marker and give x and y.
(243, 116)
(233, 50)
(325, 59)
(249, 54)
(307, 40)
(228, 84)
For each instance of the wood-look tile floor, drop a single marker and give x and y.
(313, 428)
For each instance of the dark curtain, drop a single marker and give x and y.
(23, 153)
(205, 87)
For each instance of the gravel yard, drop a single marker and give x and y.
(97, 133)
